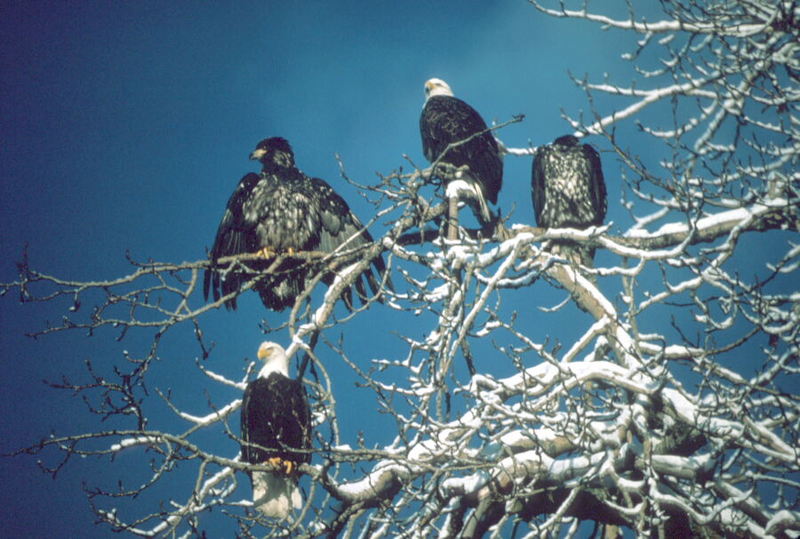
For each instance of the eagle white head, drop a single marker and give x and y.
(437, 87)
(274, 357)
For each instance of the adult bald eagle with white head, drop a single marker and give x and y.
(276, 429)
(453, 133)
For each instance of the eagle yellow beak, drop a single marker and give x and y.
(257, 154)
(264, 351)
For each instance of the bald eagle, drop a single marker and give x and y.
(282, 211)
(276, 423)
(568, 191)
(446, 121)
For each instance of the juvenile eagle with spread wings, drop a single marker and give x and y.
(283, 211)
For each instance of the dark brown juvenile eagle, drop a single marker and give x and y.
(283, 211)
(568, 191)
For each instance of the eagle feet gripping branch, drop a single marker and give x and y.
(265, 252)
(286, 466)
(268, 253)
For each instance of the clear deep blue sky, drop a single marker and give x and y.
(126, 126)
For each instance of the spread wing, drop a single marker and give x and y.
(236, 234)
(341, 228)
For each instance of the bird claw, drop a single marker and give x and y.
(286, 466)
(266, 252)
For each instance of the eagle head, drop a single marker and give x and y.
(437, 87)
(274, 357)
(566, 141)
(274, 151)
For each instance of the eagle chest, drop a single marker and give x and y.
(284, 216)
(567, 190)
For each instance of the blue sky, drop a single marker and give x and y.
(126, 126)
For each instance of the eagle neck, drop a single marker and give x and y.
(276, 168)
(270, 368)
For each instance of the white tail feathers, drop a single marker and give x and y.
(275, 495)
(466, 188)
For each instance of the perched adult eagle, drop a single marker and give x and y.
(447, 120)
(568, 191)
(282, 211)
(276, 423)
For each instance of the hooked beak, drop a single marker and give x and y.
(257, 154)
(264, 351)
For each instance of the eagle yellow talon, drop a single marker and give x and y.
(286, 466)
(265, 252)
